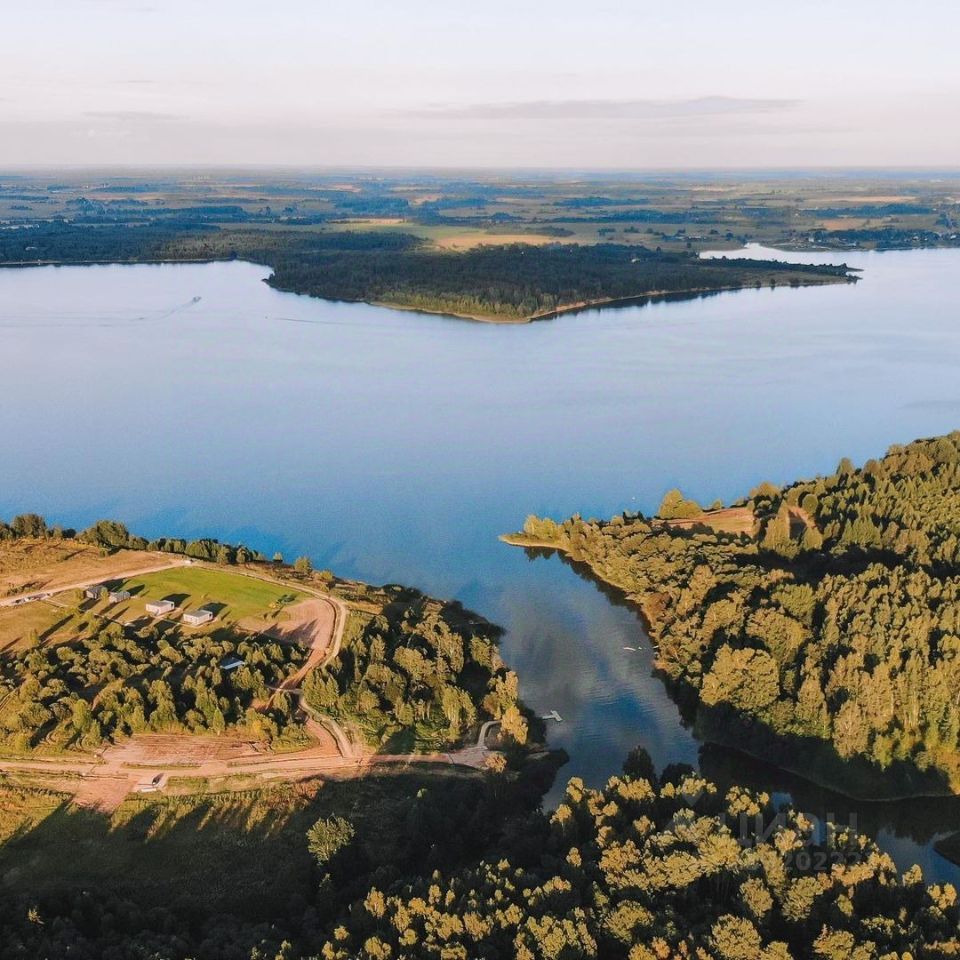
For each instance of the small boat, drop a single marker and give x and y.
(631, 649)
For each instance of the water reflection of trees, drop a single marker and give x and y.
(922, 821)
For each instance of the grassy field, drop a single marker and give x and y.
(233, 596)
(239, 600)
(201, 850)
(44, 622)
(729, 520)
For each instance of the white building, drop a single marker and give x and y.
(196, 618)
(157, 608)
(117, 595)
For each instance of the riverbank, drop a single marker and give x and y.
(855, 779)
(949, 848)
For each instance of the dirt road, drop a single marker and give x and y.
(90, 582)
(146, 762)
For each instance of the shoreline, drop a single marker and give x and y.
(584, 305)
(814, 280)
(522, 540)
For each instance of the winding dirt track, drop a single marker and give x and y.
(146, 762)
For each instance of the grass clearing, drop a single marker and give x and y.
(727, 520)
(233, 596)
(42, 621)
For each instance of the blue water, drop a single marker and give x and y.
(395, 446)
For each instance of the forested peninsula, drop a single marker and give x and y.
(507, 283)
(816, 625)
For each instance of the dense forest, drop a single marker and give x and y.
(507, 282)
(648, 868)
(517, 281)
(418, 675)
(113, 681)
(828, 636)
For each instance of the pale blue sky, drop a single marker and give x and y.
(521, 83)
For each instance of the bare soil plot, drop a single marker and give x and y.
(728, 520)
(30, 565)
(310, 623)
(469, 240)
(101, 791)
(151, 749)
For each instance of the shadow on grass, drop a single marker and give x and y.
(242, 853)
(54, 628)
(246, 853)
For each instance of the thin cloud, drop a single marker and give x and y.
(608, 109)
(134, 116)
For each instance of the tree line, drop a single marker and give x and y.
(829, 639)
(649, 867)
(418, 675)
(112, 535)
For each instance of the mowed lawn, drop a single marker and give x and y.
(232, 596)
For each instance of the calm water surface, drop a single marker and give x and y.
(194, 400)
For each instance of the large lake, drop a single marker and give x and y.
(193, 400)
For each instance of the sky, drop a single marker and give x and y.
(486, 83)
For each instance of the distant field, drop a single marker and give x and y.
(709, 211)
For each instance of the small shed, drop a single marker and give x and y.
(196, 618)
(231, 664)
(157, 608)
(117, 595)
(93, 593)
